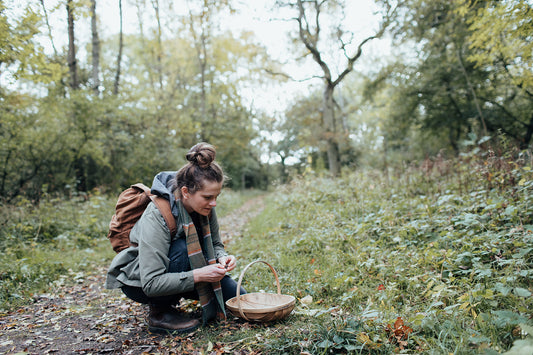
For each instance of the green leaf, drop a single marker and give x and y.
(507, 318)
(337, 339)
(325, 344)
(527, 328)
(351, 347)
(504, 290)
(521, 347)
(521, 253)
(521, 292)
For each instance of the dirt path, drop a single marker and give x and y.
(87, 319)
(234, 224)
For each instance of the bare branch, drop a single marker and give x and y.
(48, 27)
(285, 75)
(351, 60)
(309, 43)
(317, 22)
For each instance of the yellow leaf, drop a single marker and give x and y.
(464, 305)
(430, 284)
(363, 338)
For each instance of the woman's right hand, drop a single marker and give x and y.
(209, 273)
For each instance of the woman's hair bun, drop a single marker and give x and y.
(202, 154)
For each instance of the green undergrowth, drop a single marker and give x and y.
(435, 258)
(48, 245)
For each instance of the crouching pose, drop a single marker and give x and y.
(158, 269)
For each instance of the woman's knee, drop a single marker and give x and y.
(137, 294)
(229, 288)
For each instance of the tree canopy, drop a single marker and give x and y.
(458, 82)
(103, 110)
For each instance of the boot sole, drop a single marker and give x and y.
(172, 331)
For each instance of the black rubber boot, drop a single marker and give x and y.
(167, 319)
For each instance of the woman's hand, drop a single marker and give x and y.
(209, 273)
(229, 262)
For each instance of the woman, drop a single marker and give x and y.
(159, 270)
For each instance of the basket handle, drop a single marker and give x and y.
(240, 281)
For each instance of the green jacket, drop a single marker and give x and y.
(147, 264)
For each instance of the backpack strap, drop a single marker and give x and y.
(163, 206)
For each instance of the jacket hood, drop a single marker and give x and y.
(162, 186)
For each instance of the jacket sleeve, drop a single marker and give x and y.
(218, 246)
(154, 245)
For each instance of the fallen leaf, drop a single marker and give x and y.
(307, 300)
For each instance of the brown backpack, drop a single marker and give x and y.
(130, 206)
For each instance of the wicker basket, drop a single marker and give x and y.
(260, 307)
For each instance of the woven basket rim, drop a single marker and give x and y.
(236, 306)
(233, 303)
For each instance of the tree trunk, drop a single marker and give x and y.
(200, 44)
(472, 91)
(529, 134)
(71, 58)
(95, 50)
(330, 130)
(81, 178)
(385, 158)
(120, 47)
(284, 175)
(155, 5)
(147, 60)
(79, 166)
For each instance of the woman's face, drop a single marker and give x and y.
(202, 201)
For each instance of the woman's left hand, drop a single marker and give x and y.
(229, 262)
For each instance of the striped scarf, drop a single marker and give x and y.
(210, 293)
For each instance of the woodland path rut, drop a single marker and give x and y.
(85, 318)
